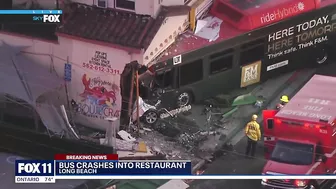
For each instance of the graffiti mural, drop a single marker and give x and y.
(98, 98)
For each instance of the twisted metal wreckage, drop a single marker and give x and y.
(140, 88)
(37, 126)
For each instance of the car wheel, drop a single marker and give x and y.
(184, 99)
(322, 56)
(151, 117)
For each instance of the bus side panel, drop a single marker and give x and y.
(300, 47)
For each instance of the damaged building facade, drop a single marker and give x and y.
(92, 55)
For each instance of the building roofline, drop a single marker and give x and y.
(102, 43)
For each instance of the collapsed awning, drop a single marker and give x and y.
(23, 78)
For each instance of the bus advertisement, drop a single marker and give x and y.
(242, 59)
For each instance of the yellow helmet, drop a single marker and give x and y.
(284, 98)
(254, 117)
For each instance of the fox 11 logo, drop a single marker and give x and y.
(34, 168)
(50, 18)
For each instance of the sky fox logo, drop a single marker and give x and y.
(49, 18)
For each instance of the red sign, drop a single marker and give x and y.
(86, 157)
(281, 12)
(261, 15)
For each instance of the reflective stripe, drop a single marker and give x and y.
(333, 186)
(318, 163)
(320, 181)
(331, 154)
(313, 167)
(269, 138)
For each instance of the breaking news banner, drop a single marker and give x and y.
(69, 166)
(31, 16)
(66, 166)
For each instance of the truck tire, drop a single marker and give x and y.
(184, 99)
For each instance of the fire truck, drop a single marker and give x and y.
(300, 139)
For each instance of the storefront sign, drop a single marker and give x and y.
(100, 62)
(300, 36)
(67, 71)
(98, 98)
(250, 74)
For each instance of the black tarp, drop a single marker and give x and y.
(42, 146)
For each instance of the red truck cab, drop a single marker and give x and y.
(300, 139)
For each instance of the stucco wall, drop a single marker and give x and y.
(97, 93)
(172, 2)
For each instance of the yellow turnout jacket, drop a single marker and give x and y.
(252, 130)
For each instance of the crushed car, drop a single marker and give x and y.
(151, 113)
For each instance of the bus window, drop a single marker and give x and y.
(191, 72)
(221, 64)
(252, 52)
(221, 53)
(164, 79)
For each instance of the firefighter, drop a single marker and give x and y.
(283, 101)
(253, 134)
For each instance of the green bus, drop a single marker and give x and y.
(302, 41)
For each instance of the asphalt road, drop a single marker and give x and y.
(7, 176)
(235, 162)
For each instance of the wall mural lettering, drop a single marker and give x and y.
(98, 99)
(300, 36)
(99, 62)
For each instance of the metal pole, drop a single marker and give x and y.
(130, 108)
(111, 133)
(67, 91)
(137, 98)
(114, 137)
